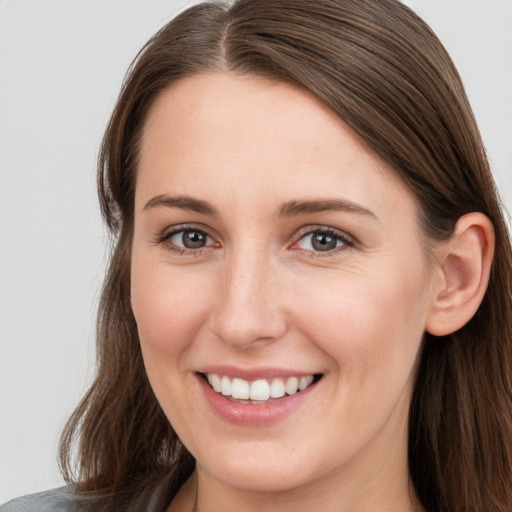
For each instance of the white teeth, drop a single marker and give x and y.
(304, 382)
(240, 389)
(277, 388)
(215, 382)
(225, 386)
(258, 390)
(292, 385)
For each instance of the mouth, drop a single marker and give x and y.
(259, 391)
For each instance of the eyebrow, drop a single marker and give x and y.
(182, 202)
(288, 209)
(296, 208)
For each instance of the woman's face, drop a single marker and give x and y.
(272, 249)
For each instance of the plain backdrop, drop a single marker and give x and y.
(61, 66)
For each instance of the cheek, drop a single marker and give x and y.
(372, 335)
(169, 308)
(371, 328)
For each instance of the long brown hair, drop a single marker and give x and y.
(382, 70)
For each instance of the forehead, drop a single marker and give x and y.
(219, 133)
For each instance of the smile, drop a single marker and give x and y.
(257, 397)
(258, 391)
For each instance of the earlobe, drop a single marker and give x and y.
(464, 264)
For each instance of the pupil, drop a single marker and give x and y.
(323, 242)
(193, 239)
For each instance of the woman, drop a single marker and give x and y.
(308, 305)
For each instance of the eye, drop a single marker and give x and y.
(323, 240)
(189, 238)
(183, 239)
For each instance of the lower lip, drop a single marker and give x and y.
(253, 415)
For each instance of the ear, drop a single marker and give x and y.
(464, 265)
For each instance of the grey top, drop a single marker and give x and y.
(56, 500)
(63, 499)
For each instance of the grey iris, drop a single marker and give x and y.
(323, 242)
(193, 239)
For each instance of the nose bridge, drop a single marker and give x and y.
(248, 309)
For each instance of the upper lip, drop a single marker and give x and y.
(252, 374)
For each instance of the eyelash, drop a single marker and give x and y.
(346, 241)
(167, 235)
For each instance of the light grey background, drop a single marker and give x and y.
(61, 66)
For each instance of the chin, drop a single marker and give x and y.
(263, 469)
(254, 477)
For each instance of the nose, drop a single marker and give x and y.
(249, 310)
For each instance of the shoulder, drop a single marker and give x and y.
(61, 499)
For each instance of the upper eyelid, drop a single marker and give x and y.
(172, 230)
(308, 230)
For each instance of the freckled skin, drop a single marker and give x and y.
(258, 294)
